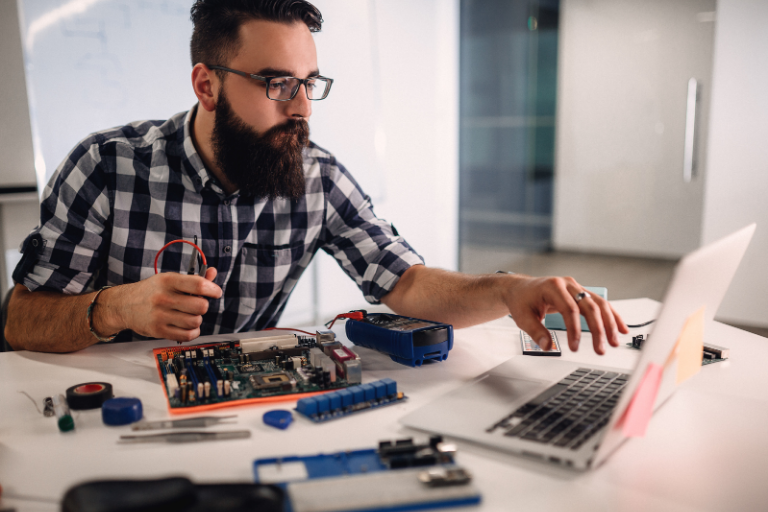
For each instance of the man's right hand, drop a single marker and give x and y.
(166, 305)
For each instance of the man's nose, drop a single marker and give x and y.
(300, 105)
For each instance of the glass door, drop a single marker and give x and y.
(508, 88)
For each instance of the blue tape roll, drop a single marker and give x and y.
(121, 411)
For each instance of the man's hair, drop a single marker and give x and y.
(215, 37)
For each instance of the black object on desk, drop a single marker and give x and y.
(171, 494)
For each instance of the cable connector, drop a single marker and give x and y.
(354, 315)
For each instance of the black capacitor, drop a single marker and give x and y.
(278, 359)
(216, 371)
(201, 375)
(230, 375)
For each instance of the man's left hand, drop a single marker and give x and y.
(530, 299)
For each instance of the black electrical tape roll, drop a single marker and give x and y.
(90, 395)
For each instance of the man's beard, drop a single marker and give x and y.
(268, 165)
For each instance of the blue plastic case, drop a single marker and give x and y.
(406, 340)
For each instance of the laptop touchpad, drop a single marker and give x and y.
(499, 390)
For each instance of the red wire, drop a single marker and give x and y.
(288, 329)
(355, 315)
(176, 242)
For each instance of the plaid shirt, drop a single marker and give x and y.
(123, 193)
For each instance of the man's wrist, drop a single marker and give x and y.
(505, 284)
(105, 321)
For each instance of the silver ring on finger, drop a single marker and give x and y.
(581, 295)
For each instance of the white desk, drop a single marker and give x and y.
(706, 449)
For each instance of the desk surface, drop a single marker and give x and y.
(705, 449)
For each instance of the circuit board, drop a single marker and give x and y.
(704, 361)
(711, 353)
(265, 369)
(400, 475)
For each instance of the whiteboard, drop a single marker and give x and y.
(17, 162)
(95, 64)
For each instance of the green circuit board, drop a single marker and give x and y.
(220, 374)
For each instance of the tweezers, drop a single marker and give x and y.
(199, 422)
(186, 437)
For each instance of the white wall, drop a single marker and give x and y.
(391, 119)
(737, 180)
(397, 78)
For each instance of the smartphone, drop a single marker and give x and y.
(531, 348)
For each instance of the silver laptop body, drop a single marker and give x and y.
(482, 410)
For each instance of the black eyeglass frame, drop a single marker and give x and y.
(268, 79)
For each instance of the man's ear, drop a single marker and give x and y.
(205, 83)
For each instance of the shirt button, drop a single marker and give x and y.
(227, 249)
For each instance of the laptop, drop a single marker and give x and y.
(571, 414)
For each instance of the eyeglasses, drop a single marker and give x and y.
(284, 88)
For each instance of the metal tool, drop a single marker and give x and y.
(199, 422)
(186, 437)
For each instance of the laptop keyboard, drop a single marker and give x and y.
(568, 413)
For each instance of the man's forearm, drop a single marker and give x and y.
(451, 297)
(166, 305)
(464, 300)
(49, 321)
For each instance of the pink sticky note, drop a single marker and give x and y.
(638, 414)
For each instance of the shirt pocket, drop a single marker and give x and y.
(268, 270)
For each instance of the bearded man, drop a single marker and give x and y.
(237, 176)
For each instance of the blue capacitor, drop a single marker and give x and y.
(346, 397)
(335, 400)
(391, 386)
(121, 411)
(358, 394)
(381, 389)
(323, 404)
(369, 391)
(307, 406)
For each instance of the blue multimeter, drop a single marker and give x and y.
(406, 340)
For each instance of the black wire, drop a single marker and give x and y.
(641, 325)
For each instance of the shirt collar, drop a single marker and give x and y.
(201, 177)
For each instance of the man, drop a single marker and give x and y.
(238, 176)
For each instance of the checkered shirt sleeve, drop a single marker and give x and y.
(366, 247)
(74, 213)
